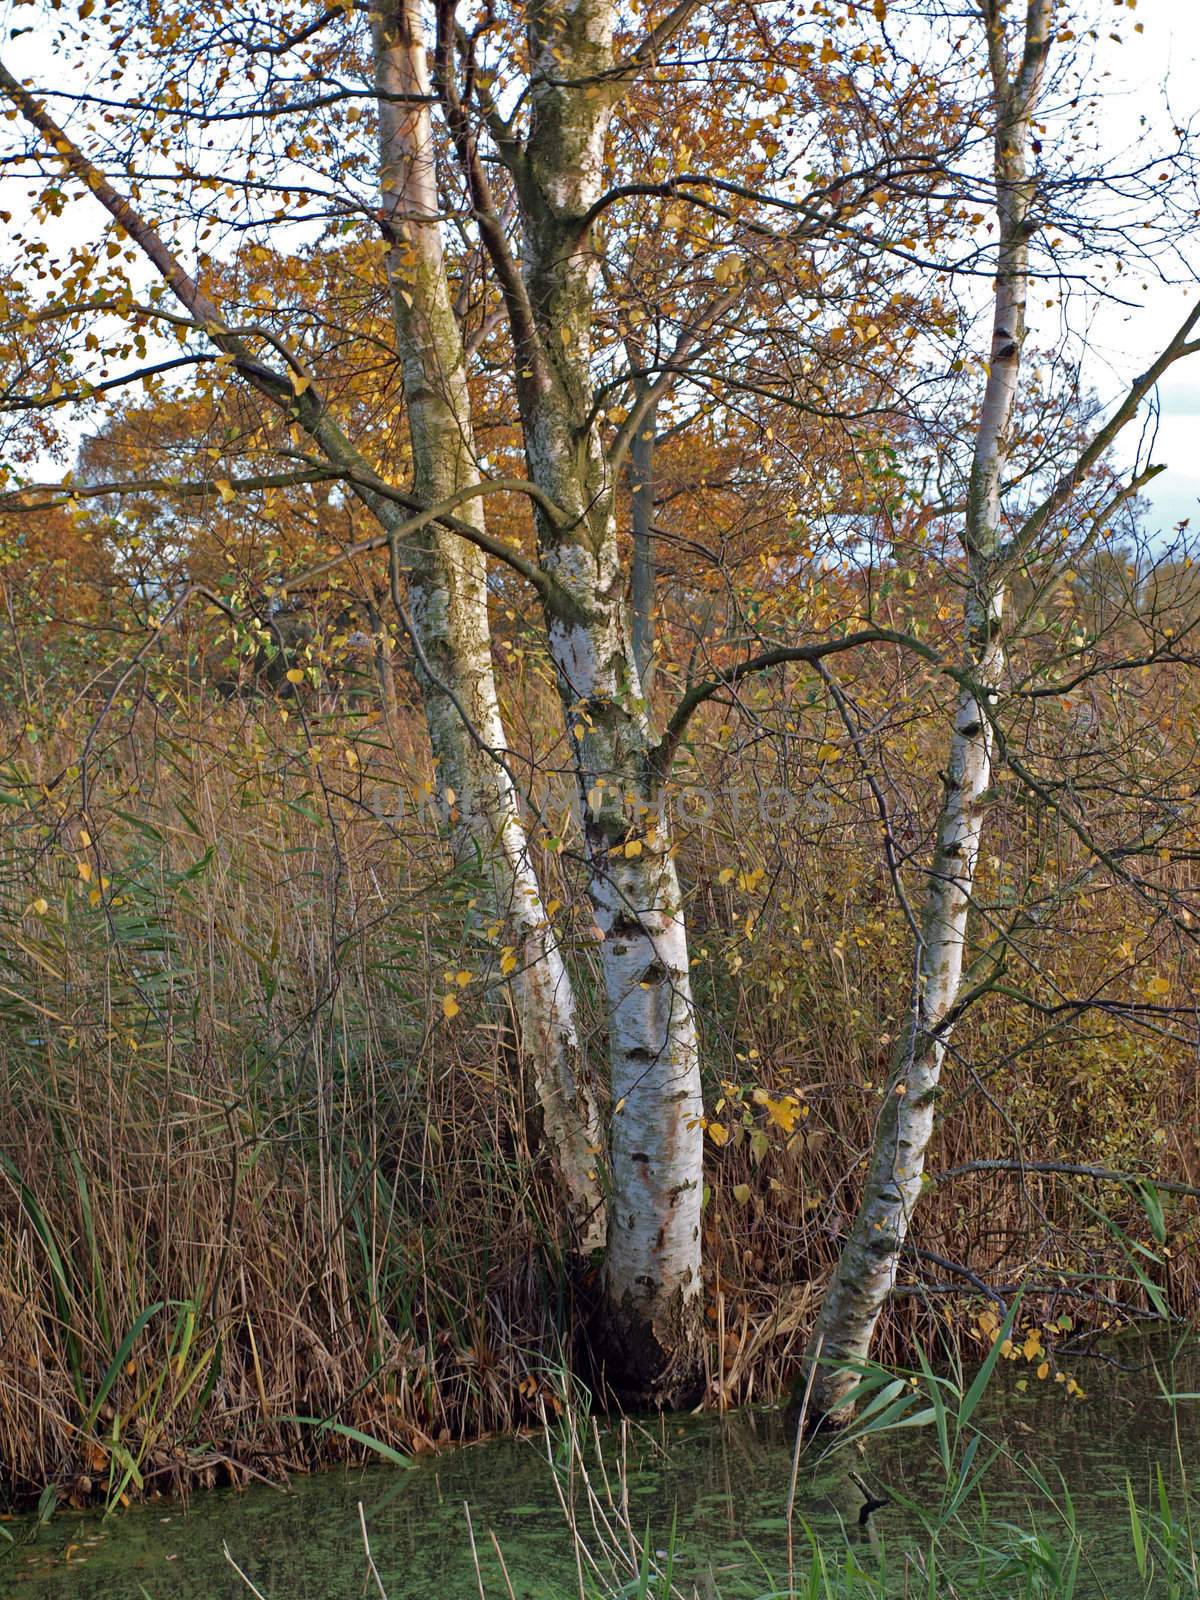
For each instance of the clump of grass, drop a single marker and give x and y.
(243, 1166)
(251, 1172)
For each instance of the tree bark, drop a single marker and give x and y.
(448, 600)
(649, 1332)
(866, 1270)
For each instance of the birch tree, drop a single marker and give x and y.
(447, 587)
(652, 1306)
(553, 149)
(448, 596)
(993, 552)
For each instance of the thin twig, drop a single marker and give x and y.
(789, 1513)
(371, 1567)
(503, 1566)
(474, 1552)
(229, 1557)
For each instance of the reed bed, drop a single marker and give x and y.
(264, 1205)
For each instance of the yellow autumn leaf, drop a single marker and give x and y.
(450, 1006)
(225, 490)
(741, 1193)
(1043, 1370)
(84, 871)
(634, 847)
(1158, 986)
(718, 1133)
(40, 906)
(508, 960)
(783, 1112)
(294, 675)
(300, 382)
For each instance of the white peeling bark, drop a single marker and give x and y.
(652, 1268)
(650, 1326)
(447, 591)
(866, 1270)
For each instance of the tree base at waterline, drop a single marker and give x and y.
(637, 1364)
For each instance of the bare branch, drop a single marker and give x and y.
(1179, 346)
(1069, 1169)
(664, 752)
(86, 391)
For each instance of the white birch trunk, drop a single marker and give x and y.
(651, 1318)
(866, 1269)
(447, 591)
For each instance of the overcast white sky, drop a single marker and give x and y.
(1164, 58)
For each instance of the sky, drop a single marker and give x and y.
(1165, 57)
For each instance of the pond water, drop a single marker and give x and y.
(721, 1481)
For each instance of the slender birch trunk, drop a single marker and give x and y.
(650, 1322)
(450, 585)
(448, 599)
(652, 1304)
(866, 1269)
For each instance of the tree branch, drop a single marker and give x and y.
(487, 217)
(1069, 1169)
(1070, 480)
(647, 397)
(86, 391)
(67, 493)
(552, 593)
(664, 752)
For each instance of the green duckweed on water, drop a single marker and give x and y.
(1050, 1516)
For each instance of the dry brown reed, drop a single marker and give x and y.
(250, 1173)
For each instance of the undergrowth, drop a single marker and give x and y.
(260, 1195)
